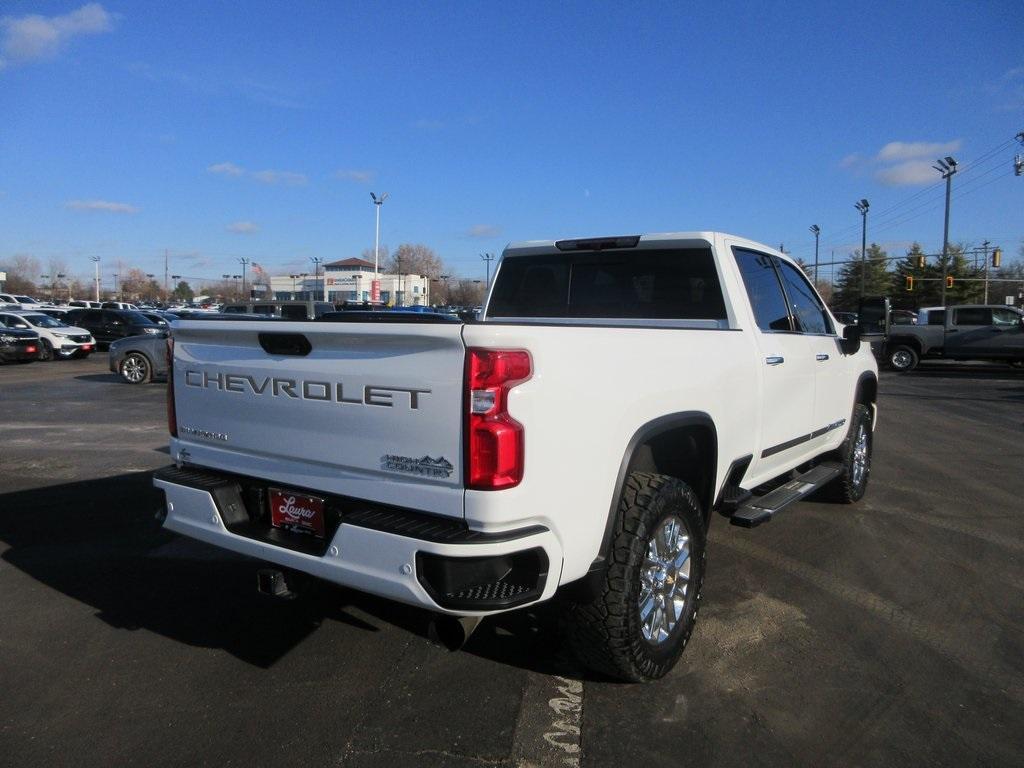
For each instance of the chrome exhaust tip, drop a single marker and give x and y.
(452, 632)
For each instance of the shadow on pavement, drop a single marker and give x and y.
(962, 371)
(100, 378)
(97, 542)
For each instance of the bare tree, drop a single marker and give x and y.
(466, 293)
(367, 255)
(414, 259)
(22, 273)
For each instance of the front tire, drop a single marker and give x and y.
(855, 455)
(903, 358)
(45, 351)
(639, 624)
(135, 369)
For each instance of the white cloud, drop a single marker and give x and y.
(290, 178)
(910, 173)
(483, 230)
(225, 169)
(33, 37)
(901, 163)
(896, 151)
(1009, 90)
(100, 205)
(243, 227)
(363, 177)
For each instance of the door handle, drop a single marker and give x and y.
(775, 359)
(821, 357)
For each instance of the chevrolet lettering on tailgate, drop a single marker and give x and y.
(326, 391)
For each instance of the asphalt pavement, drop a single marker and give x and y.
(890, 632)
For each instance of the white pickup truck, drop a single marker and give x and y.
(576, 440)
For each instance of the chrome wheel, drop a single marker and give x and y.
(135, 369)
(901, 359)
(664, 578)
(859, 467)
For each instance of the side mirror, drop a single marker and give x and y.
(851, 339)
(873, 317)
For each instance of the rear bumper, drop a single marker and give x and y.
(398, 555)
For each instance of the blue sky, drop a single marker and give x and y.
(225, 129)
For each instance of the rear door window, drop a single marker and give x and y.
(764, 290)
(677, 284)
(293, 312)
(972, 316)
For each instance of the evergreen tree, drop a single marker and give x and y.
(877, 278)
(925, 293)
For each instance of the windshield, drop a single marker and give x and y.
(45, 321)
(24, 300)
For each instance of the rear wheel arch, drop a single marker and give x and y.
(683, 445)
(906, 341)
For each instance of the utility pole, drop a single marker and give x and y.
(167, 292)
(317, 261)
(96, 267)
(398, 292)
(816, 231)
(244, 262)
(488, 258)
(984, 247)
(947, 167)
(862, 205)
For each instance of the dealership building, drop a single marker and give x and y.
(352, 280)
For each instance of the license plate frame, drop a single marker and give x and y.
(297, 512)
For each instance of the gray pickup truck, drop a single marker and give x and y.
(966, 332)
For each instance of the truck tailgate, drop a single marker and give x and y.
(371, 411)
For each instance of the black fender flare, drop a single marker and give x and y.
(645, 433)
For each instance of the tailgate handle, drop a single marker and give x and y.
(285, 344)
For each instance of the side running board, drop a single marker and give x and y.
(760, 509)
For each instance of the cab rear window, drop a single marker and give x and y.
(677, 284)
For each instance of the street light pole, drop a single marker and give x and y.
(244, 262)
(96, 266)
(488, 257)
(984, 246)
(375, 286)
(862, 205)
(816, 230)
(947, 167)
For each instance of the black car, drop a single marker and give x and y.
(154, 316)
(107, 325)
(17, 345)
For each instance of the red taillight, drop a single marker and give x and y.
(494, 440)
(30, 350)
(172, 418)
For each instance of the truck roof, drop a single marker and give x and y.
(526, 247)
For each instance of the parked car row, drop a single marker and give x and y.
(54, 339)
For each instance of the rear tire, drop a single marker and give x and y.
(639, 624)
(903, 358)
(135, 369)
(855, 455)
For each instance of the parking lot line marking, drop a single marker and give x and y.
(547, 732)
(963, 654)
